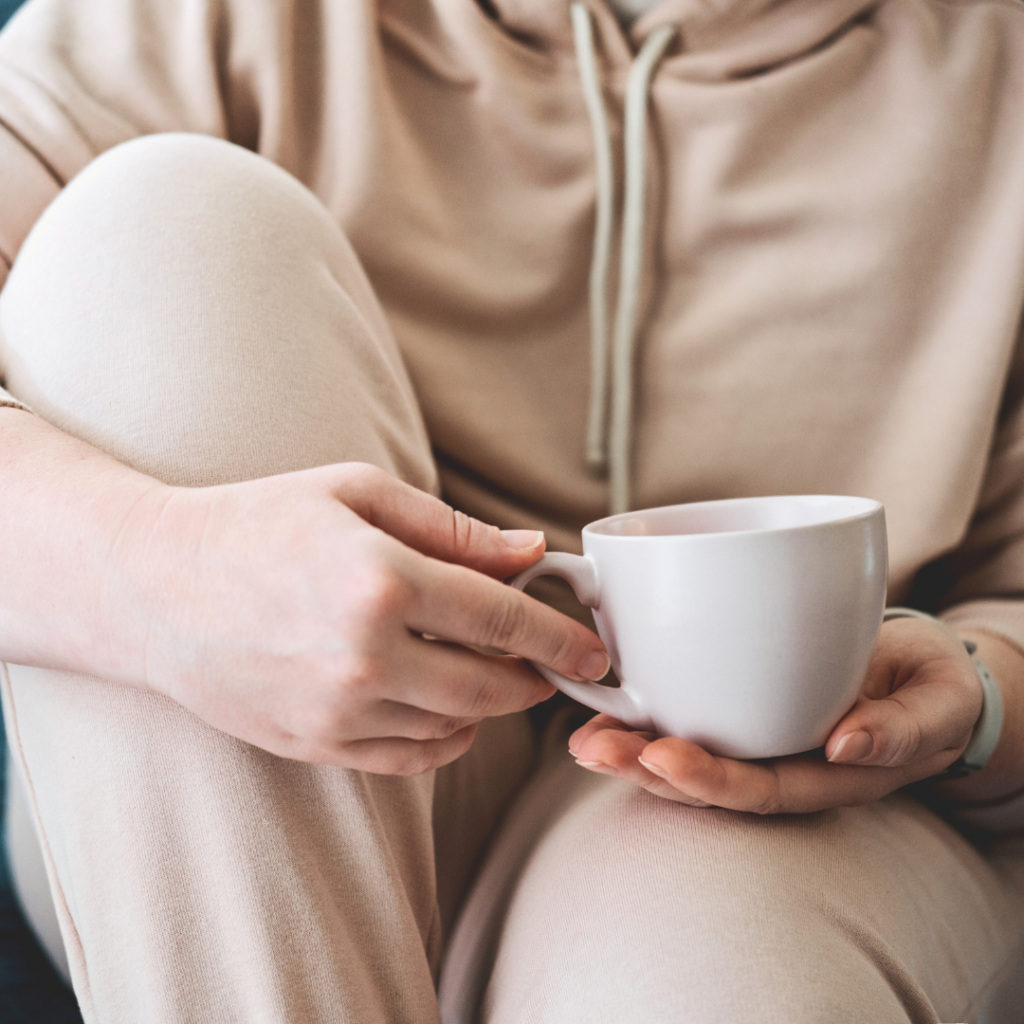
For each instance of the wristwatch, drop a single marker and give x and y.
(987, 730)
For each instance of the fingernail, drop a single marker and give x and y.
(591, 764)
(595, 666)
(653, 768)
(853, 747)
(522, 539)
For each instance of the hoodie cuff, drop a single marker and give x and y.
(27, 187)
(8, 401)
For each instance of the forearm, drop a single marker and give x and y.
(63, 504)
(1004, 773)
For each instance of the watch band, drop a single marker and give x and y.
(987, 730)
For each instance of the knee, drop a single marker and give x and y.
(167, 257)
(118, 281)
(661, 911)
(194, 310)
(147, 208)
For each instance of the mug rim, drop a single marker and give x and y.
(872, 507)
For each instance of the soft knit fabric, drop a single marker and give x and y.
(200, 879)
(834, 255)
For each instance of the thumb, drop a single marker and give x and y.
(878, 732)
(432, 527)
(912, 725)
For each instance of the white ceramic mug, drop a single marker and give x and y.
(744, 625)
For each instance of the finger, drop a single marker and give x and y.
(389, 720)
(617, 751)
(458, 604)
(404, 721)
(684, 772)
(597, 724)
(400, 756)
(927, 721)
(788, 785)
(431, 527)
(899, 731)
(450, 681)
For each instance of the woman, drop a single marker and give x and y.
(223, 683)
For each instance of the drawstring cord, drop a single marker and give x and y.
(631, 265)
(583, 36)
(609, 447)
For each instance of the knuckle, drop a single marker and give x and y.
(361, 477)
(464, 531)
(770, 797)
(441, 752)
(319, 728)
(418, 761)
(449, 725)
(767, 804)
(359, 673)
(505, 620)
(564, 651)
(391, 758)
(459, 744)
(418, 758)
(380, 596)
(323, 722)
(901, 747)
(482, 699)
(389, 764)
(427, 728)
(468, 534)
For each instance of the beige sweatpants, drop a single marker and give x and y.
(193, 310)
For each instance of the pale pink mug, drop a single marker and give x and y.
(745, 625)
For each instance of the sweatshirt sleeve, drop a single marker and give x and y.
(980, 585)
(27, 185)
(78, 78)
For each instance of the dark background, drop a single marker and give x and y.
(7, 8)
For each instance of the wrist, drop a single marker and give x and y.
(134, 583)
(63, 506)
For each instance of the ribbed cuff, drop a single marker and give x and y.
(27, 186)
(8, 401)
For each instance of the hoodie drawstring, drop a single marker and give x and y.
(609, 446)
(583, 35)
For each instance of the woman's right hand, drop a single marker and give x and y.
(301, 613)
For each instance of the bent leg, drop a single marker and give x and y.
(631, 908)
(192, 310)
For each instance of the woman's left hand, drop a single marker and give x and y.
(920, 700)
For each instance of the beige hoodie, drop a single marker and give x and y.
(833, 251)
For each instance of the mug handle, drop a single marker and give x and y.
(581, 574)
